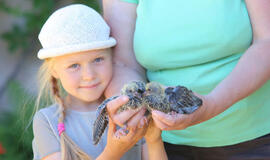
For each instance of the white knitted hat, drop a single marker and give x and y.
(72, 29)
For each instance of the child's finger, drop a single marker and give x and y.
(113, 105)
(143, 121)
(139, 131)
(134, 121)
(112, 127)
(121, 118)
(120, 133)
(135, 134)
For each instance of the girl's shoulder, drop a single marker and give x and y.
(46, 115)
(48, 110)
(52, 109)
(45, 132)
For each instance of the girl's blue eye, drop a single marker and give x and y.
(74, 66)
(98, 60)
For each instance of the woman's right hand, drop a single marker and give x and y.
(131, 118)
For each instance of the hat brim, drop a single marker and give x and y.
(54, 52)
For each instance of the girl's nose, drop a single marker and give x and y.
(88, 73)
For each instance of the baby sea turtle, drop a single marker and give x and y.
(134, 90)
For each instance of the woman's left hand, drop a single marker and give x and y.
(181, 121)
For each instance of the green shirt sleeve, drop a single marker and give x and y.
(131, 1)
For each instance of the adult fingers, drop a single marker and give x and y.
(170, 120)
(173, 121)
(160, 124)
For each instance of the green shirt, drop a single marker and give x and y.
(197, 44)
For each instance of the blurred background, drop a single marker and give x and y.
(20, 23)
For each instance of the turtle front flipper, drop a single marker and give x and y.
(101, 121)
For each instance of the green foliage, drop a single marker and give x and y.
(15, 133)
(92, 3)
(21, 36)
(16, 38)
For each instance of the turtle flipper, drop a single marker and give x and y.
(101, 121)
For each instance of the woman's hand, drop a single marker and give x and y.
(129, 117)
(117, 146)
(181, 121)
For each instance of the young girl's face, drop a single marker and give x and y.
(84, 75)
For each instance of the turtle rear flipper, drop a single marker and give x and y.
(101, 122)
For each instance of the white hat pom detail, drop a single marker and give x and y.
(74, 28)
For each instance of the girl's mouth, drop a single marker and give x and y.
(90, 86)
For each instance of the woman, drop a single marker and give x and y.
(220, 50)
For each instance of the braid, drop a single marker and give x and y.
(69, 150)
(58, 99)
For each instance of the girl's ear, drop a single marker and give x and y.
(54, 73)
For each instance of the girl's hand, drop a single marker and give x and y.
(129, 117)
(153, 133)
(117, 146)
(155, 148)
(181, 121)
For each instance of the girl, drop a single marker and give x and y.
(78, 67)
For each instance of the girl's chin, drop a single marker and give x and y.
(92, 99)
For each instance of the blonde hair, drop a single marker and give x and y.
(50, 92)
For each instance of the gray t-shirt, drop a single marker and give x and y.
(78, 126)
